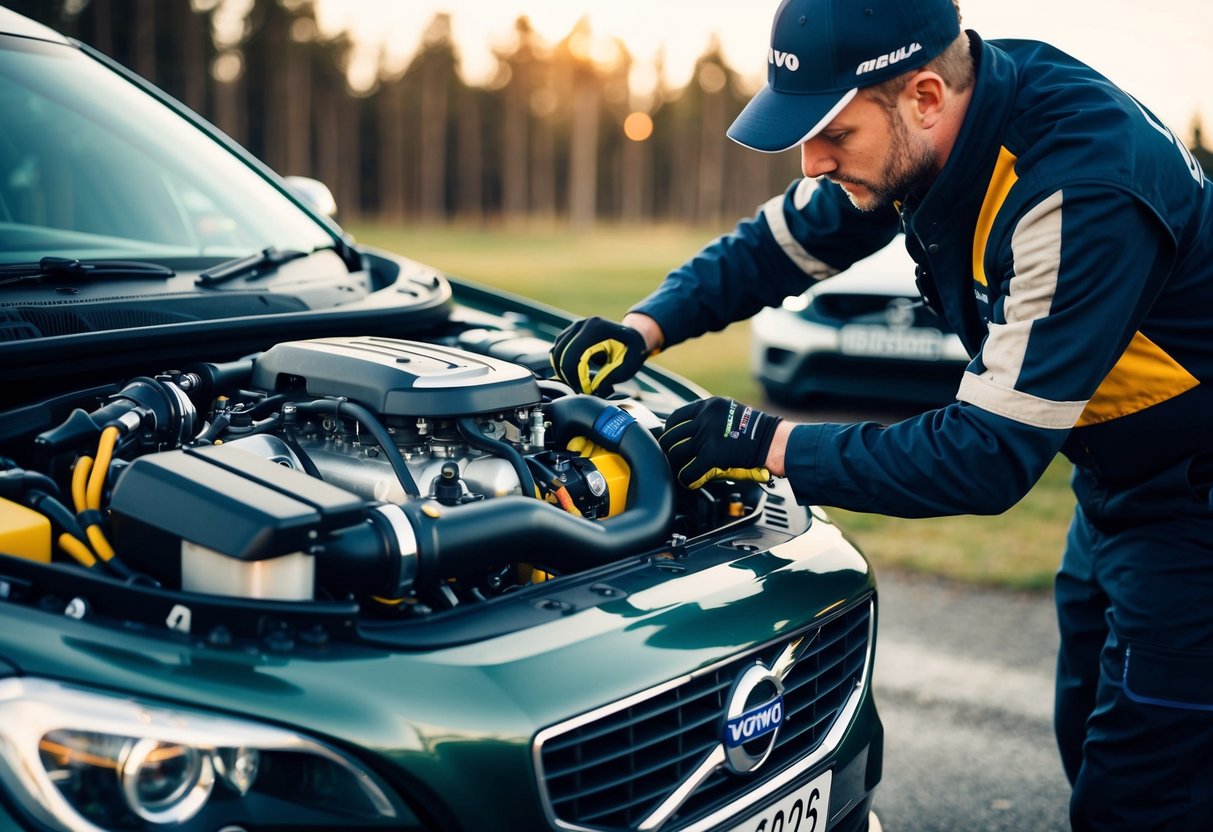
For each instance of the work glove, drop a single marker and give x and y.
(594, 354)
(718, 438)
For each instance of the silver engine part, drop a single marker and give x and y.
(417, 390)
(364, 471)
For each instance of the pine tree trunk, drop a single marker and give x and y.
(711, 160)
(470, 197)
(297, 111)
(391, 153)
(583, 153)
(144, 41)
(434, 113)
(515, 172)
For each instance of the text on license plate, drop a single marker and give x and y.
(861, 339)
(804, 810)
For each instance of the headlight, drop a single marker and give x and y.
(83, 761)
(797, 303)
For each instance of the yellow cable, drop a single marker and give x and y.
(80, 482)
(77, 550)
(105, 452)
(100, 545)
(96, 484)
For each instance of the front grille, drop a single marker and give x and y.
(612, 772)
(777, 356)
(839, 309)
(842, 307)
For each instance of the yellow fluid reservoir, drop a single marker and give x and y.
(600, 477)
(24, 532)
(617, 474)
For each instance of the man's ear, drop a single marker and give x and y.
(923, 98)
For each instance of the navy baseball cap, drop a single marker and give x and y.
(824, 51)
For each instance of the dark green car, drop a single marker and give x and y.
(299, 535)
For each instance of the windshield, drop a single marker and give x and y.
(93, 167)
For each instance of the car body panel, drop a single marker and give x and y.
(15, 24)
(472, 710)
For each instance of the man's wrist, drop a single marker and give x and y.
(649, 329)
(776, 462)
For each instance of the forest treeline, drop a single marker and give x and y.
(544, 139)
(547, 137)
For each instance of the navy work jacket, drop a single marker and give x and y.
(1068, 241)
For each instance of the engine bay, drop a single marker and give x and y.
(352, 477)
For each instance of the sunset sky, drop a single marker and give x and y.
(1160, 51)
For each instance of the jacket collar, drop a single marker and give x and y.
(960, 187)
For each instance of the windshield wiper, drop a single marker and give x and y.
(252, 266)
(69, 268)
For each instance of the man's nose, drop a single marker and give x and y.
(815, 160)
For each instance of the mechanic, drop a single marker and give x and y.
(1066, 235)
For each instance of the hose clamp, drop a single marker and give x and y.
(404, 540)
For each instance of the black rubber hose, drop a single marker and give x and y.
(215, 376)
(61, 516)
(212, 431)
(57, 512)
(265, 425)
(367, 419)
(269, 404)
(554, 389)
(550, 478)
(461, 540)
(290, 418)
(16, 481)
(471, 434)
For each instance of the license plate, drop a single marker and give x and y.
(861, 339)
(804, 810)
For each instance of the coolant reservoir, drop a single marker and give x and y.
(289, 577)
(616, 474)
(24, 532)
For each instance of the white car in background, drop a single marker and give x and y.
(863, 334)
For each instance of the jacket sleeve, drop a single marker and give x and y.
(808, 233)
(1076, 276)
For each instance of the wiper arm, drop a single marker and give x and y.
(254, 265)
(68, 268)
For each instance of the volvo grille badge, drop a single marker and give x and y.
(752, 718)
(751, 726)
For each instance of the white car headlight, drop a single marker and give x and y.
(797, 303)
(82, 761)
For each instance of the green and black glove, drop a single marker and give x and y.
(594, 354)
(718, 438)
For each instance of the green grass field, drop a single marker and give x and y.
(607, 270)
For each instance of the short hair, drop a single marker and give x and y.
(954, 65)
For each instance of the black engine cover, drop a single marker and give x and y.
(392, 377)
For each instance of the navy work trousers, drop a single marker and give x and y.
(1134, 699)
